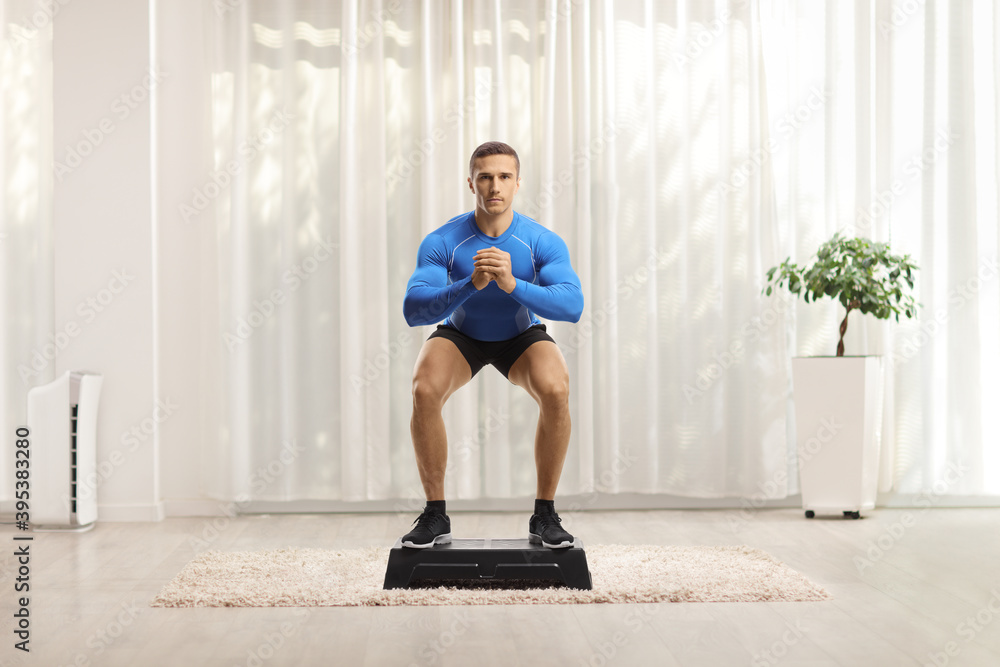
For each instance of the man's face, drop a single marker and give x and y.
(494, 181)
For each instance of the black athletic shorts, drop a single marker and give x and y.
(500, 353)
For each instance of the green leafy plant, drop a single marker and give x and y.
(862, 275)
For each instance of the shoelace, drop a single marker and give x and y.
(424, 520)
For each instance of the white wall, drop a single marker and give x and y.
(116, 209)
(189, 347)
(103, 247)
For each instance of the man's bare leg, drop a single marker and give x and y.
(440, 370)
(542, 371)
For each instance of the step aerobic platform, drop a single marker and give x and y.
(487, 559)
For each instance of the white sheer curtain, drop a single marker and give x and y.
(349, 127)
(887, 120)
(27, 347)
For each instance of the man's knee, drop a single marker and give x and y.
(552, 391)
(428, 394)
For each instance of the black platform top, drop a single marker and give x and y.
(487, 559)
(491, 543)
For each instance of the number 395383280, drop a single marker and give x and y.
(22, 475)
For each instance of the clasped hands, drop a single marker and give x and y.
(493, 264)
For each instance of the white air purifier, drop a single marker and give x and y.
(62, 416)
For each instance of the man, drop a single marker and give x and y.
(490, 273)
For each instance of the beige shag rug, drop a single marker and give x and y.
(620, 574)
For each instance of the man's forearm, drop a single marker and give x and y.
(426, 304)
(563, 301)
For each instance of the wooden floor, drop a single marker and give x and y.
(910, 587)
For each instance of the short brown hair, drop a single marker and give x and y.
(494, 148)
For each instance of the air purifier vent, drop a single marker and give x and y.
(72, 457)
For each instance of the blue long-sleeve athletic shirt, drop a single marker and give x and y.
(441, 286)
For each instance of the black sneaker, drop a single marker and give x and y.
(432, 528)
(545, 528)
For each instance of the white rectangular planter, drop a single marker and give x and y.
(838, 417)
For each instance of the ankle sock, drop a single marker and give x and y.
(436, 505)
(546, 505)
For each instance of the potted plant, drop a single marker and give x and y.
(838, 399)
